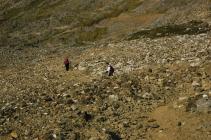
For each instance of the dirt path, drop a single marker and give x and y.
(176, 124)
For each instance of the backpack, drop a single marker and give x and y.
(111, 69)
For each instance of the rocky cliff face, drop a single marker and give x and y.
(161, 52)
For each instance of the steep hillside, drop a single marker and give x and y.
(34, 22)
(156, 93)
(160, 50)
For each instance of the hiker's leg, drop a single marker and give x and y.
(110, 73)
(67, 67)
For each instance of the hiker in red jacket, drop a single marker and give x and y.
(66, 63)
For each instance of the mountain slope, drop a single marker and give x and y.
(161, 52)
(34, 22)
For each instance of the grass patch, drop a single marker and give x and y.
(191, 28)
(47, 10)
(34, 4)
(92, 35)
(13, 13)
(90, 19)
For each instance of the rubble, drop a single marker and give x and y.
(86, 104)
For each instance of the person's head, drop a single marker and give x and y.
(107, 63)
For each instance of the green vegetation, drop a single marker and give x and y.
(34, 4)
(12, 13)
(92, 35)
(192, 27)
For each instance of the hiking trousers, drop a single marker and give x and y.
(67, 66)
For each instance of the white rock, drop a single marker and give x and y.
(113, 98)
(195, 64)
(73, 107)
(54, 135)
(116, 87)
(183, 98)
(195, 83)
(147, 95)
(205, 96)
(146, 78)
(81, 68)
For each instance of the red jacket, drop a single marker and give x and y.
(66, 61)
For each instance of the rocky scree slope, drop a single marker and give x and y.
(161, 88)
(41, 101)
